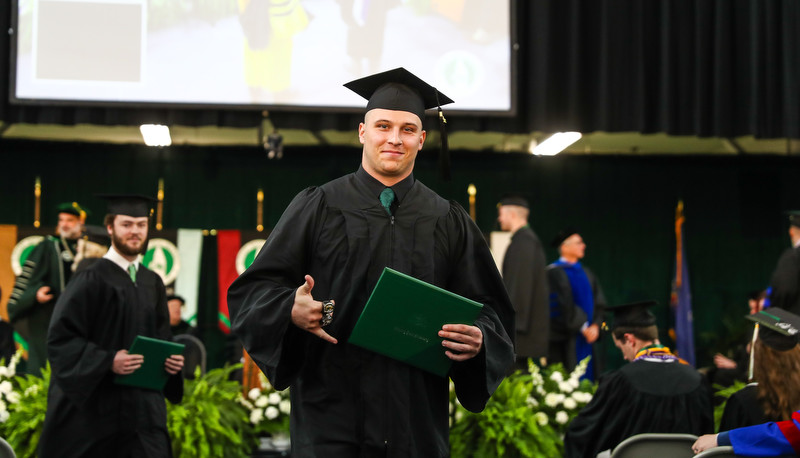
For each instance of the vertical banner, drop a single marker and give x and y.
(228, 244)
(187, 285)
(8, 239)
(681, 297)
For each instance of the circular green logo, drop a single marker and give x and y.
(247, 254)
(21, 251)
(162, 258)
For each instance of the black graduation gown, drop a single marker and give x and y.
(99, 313)
(641, 397)
(785, 282)
(346, 401)
(525, 277)
(567, 322)
(43, 267)
(743, 409)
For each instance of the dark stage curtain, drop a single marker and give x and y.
(690, 67)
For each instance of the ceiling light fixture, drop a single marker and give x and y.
(155, 135)
(557, 143)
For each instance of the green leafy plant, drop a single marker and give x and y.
(25, 398)
(212, 420)
(525, 417)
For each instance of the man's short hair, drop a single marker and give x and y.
(646, 333)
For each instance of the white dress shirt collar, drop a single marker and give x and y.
(114, 256)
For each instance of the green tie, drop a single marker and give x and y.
(132, 271)
(387, 197)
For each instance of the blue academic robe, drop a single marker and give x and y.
(768, 439)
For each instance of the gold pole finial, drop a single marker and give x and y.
(37, 206)
(260, 210)
(160, 215)
(472, 191)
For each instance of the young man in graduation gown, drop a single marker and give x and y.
(656, 393)
(576, 306)
(95, 320)
(525, 277)
(331, 244)
(784, 290)
(776, 328)
(46, 271)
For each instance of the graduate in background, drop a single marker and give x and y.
(779, 328)
(525, 277)
(44, 275)
(656, 393)
(95, 320)
(775, 360)
(332, 244)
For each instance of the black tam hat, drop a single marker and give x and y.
(135, 206)
(780, 330)
(562, 235)
(794, 218)
(401, 90)
(633, 315)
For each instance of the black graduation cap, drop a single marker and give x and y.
(513, 199)
(562, 235)
(794, 217)
(634, 315)
(73, 208)
(128, 204)
(779, 330)
(401, 90)
(97, 234)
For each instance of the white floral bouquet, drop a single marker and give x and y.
(8, 396)
(269, 408)
(556, 397)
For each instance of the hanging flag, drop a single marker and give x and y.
(228, 244)
(187, 285)
(681, 297)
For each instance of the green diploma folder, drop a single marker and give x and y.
(403, 317)
(152, 374)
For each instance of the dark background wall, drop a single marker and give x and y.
(623, 206)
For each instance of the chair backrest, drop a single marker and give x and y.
(656, 445)
(5, 449)
(194, 354)
(727, 452)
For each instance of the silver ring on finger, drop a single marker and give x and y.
(327, 313)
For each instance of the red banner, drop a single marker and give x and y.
(228, 244)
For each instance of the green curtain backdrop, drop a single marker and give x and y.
(623, 206)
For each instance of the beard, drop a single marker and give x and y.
(70, 234)
(124, 249)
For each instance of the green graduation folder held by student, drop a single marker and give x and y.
(403, 317)
(152, 374)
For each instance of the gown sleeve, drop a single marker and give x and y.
(260, 300)
(78, 364)
(23, 296)
(475, 276)
(594, 430)
(769, 439)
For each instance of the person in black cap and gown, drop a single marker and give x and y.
(576, 306)
(784, 290)
(525, 276)
(656, 393)
(764, 420)
(95, 320)
(774, 391)
(331, 244)
(45, 273)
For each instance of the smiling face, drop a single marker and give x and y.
(391, 142)
(128, 235)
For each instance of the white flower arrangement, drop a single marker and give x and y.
(556, 397)
(8, 395)
(269, 408)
